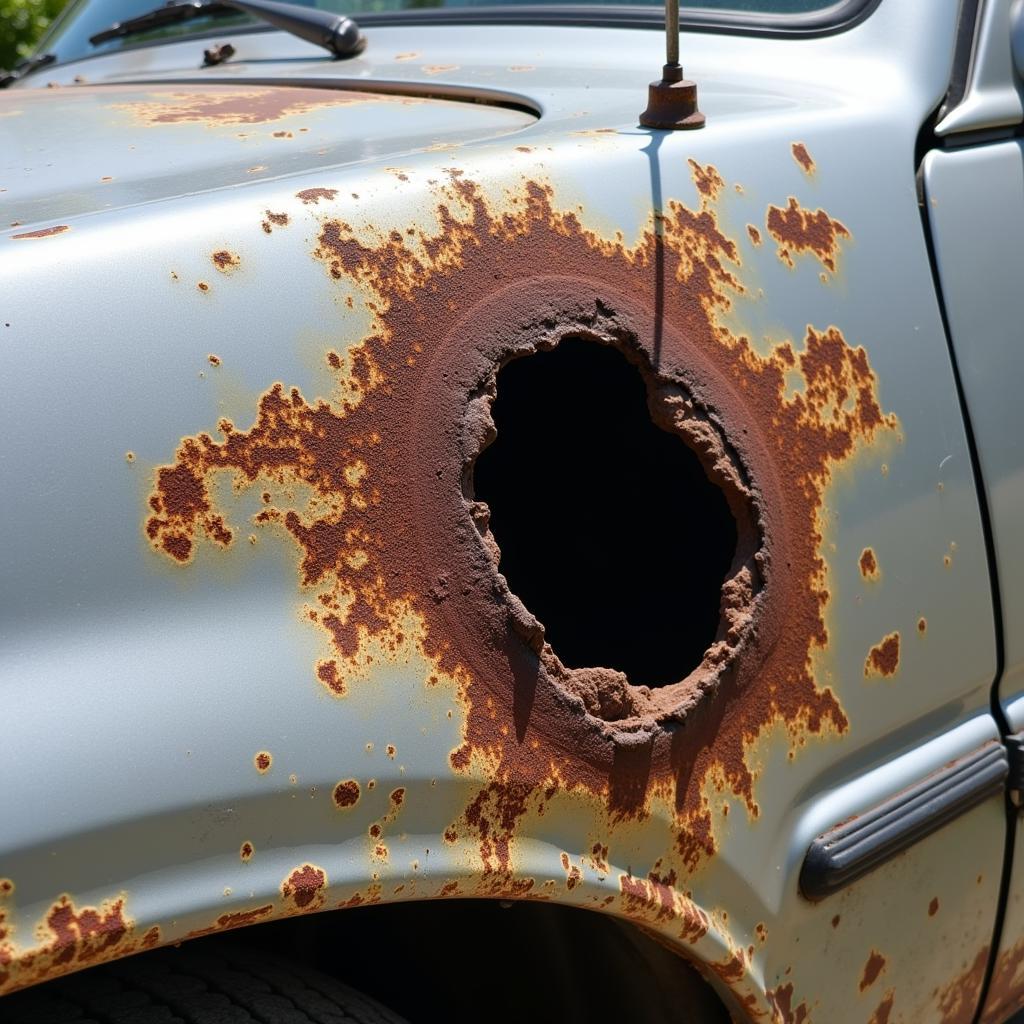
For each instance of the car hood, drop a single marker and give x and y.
(65, 152)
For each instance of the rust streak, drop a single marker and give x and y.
(57, 229)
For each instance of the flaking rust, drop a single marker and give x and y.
(392, 549)
(534, 728)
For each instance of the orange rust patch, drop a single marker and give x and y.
(312, 196)
(883, 1010)
(869, 565)
(755, 235)
(368, 558)
(346, 794)
(958, 1001)
(798, 231)
(803, 158)
(213, 106)
(781, 1001)
(263, 761)
(884, 658)
(70, 939)
(707, 179)
(226, 261)
(238, 919)
(872, 968)
(57, 229)
(304, 888)
(246, 850)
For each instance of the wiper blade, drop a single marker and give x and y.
(333, 32)
(26, 67)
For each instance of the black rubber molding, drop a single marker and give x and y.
(850, 850)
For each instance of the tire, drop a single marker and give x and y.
(215, 985)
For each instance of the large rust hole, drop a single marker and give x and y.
(610, 531)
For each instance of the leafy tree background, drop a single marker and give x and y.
(22, 22)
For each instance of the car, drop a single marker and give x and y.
(460, 471)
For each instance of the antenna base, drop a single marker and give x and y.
(672, 102)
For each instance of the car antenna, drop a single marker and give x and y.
(672, 102)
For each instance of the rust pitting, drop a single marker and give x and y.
(884, 658)
(304, 889)
(797, 230)
(370, 553)
(312, 196)
(226, 261)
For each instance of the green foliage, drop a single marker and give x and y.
(22, 22)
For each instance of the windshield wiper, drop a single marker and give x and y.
(333, 32)
(26, 67)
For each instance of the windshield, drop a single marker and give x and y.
(68, 38)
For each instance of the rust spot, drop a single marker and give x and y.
(226, 261)
(203, 286)
(707, 179)
(884, 658)
(304, 887)
(312, 196)
(933, 907)
(524, 149)
(519, 68)
(835, 921)
(57, 229)
(213, 106)
(390, 750)
(803, 158)
(129, 456)
(869, 565)
(6, 887)
(246, 851)
(755, 235)
(781, 1001)
(872, 969)
(798, 231)
(409, 55)
(213, 360)
(371, 561)
(922, 625)
(263, 761)
(106, 178)
(883, 1009)
(283, 135)
(346, 794)
(438, 69)
(958, 1001)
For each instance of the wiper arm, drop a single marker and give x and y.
(26, 67)
(333, 32)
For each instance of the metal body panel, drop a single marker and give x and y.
(994, 96)
(139, 694)
(976, 210)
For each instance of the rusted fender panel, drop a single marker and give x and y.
(290, 675)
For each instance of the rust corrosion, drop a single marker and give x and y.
(883, 1010)
(346, 794)
(393, 539)
(958, 1001)
(803, 158)
(1006, 990)
(263, 760)
(884, 658)
(872, 969)
(226, 261)
(797, 230)
(68, 939)
(312, 196)
(57, 229)
(304, 888)
(213, 106)
(869, 565)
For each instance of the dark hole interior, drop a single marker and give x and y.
(610, 532)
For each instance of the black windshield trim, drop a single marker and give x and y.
(839, 17)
